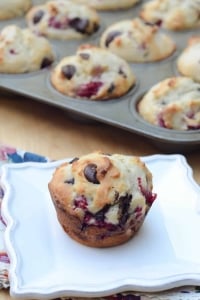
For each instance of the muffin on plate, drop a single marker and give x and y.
(109, 4)
(22, 51)
(188, 62)
(61, 19)
(172, 14)
(93, 73)
(136, 41)
(101, 200)
(173, 103)
(13, 8)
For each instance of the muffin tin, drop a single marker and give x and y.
(120, 112)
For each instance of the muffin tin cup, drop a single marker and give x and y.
(121, 112)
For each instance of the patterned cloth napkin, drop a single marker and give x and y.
(11, 155)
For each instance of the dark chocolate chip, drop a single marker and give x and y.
(46, 62)
(68, 71)
(121, 72)
(12, 51)
(90, 172)
(85, 56)
(73, 160)
(124, 204)
(38, 16)
(111, 88)
(100, 215)
(69, 181)
(95, 27)
(79, 24)
(111, 36)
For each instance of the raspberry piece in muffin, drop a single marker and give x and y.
(101, 200)
(93, 73)
(61, 19)
(22, 51)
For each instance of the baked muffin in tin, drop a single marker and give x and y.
(93, 73)
(137, 41)
(172, 103)
(174, 15)
(188, 62)
(21, 51)
(62, 20)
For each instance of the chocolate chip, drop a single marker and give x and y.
(111, 88)
(38, 16)
(79, 24)
(69, 181)
(116, 196)
(68, 71)
(95, 27)
(85, 56)
(121, 72)
(87, 217)
(90, 172)
(73, 160)
(124, 204)
(111, 36)
(1, 192)
(12, 51)
(46, 62)
(100, 215)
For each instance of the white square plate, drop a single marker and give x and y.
(46, 263)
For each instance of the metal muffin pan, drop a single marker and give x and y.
(120, 112)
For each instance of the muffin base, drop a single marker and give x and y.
(92, 235)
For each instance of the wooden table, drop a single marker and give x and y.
(49, 131)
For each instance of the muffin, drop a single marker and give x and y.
(188, 62)
(173, 15)
(101, 200)
(13, 8)
(173, 103)
(136, 41)
(61, 19)
(22, 51)
(108, 4)
(93, 73)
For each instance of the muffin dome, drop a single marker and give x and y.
(172, 14)
(93, 73)
(136, 41)
(22, 51)
(63, 20)
(188, 63)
